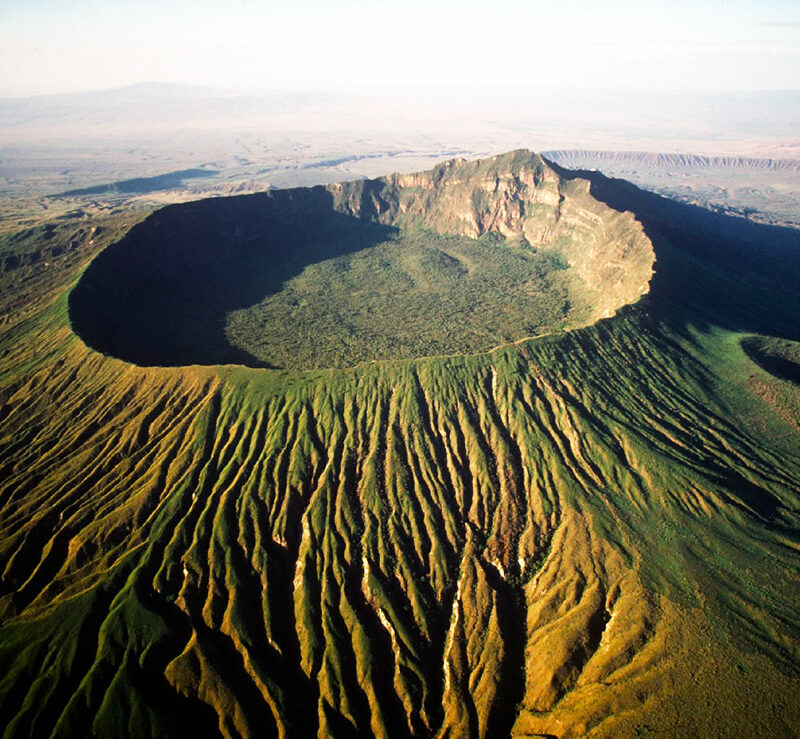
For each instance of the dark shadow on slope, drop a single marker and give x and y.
(159, 297)
(711, 269)
(780, 359)
(141, 185)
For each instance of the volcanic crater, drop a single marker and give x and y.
(455, 260)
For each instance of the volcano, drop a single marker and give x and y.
(497, 449)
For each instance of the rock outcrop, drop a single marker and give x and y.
(520, 196)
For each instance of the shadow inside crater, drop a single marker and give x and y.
(780, 361)
(160, 296)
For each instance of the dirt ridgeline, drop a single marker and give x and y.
(579, 157)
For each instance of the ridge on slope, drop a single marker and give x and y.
(467, 256)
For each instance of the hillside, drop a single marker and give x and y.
(590, 533)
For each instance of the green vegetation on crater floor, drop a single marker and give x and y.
(419, 294)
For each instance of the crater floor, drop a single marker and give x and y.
(417, 294)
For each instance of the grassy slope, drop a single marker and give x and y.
(579, 534)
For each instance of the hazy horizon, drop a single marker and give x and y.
(48, 47)
(146, 88)
(453, 92)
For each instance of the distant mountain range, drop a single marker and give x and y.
(716, 114)
(580, 158)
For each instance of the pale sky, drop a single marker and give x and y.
(51, 46)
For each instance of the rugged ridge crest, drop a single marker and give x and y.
(520, 196)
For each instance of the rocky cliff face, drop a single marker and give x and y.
(519, 196)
